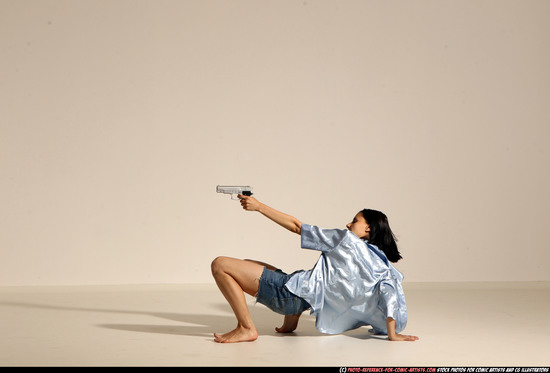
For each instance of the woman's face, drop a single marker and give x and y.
(359, 227)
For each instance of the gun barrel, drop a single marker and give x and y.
(234, 190)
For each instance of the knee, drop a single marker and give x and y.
(218, 265)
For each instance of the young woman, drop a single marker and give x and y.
(351, 285)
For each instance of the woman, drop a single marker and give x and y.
(351, 285)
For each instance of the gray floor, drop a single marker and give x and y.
(464, 324)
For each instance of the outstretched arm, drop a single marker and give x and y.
(393, 336)
(286, 221)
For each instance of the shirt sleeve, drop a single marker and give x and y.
(315, 238)
(388, 303)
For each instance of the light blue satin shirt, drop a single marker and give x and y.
(351, 285)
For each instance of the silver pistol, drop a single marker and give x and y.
(234, 190)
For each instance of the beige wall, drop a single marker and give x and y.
(119, 118)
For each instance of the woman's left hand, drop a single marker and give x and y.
(393, 336)
(402, 337)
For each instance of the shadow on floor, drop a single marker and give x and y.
(203, 325)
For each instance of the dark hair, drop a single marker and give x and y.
(381, 234)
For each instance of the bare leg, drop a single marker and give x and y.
(290, 324)
(233, 276)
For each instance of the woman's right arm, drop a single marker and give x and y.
(286, 221)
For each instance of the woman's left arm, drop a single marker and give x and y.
(393, 336)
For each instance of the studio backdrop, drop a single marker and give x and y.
(118, 119)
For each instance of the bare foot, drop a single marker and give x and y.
(289, 325)
(239, 334)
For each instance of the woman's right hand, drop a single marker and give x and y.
(249, 203)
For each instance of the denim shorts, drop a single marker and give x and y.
(273, 293)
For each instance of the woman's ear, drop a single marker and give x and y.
(367, 232)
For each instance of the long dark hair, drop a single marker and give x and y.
(381, 234)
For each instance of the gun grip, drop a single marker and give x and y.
(247, 193)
